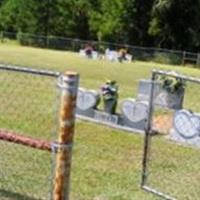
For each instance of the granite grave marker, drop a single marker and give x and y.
(87, 101)
(186, 128)
(134, 113)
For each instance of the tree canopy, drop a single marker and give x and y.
(160, 23)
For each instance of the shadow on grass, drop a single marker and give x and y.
(9, 195)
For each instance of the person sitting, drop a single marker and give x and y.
(122, 54)
(88, 51)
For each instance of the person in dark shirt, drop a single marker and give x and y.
(88, 50)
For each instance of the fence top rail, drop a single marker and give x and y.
(29, 70)
(176, 75)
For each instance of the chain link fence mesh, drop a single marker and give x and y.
(28, 106)
(173, 161)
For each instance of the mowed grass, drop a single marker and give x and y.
(106, 162)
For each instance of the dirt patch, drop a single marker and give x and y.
(163, 123)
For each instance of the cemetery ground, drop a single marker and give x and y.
(107, 163)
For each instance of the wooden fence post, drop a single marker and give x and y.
(68, 84)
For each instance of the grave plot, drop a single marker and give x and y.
(174, 112)
(132, 116)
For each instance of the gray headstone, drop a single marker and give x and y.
(161, 97)
(187, 124)
(144, 89)
(87, 101)
(169, 100)
(186, 128)
(134, 113)
(105, 117)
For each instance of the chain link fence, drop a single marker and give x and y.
(159, 55)
(171, 165)
(29, 101)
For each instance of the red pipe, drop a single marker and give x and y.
(24, 140)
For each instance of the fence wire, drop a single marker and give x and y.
(28, 103)
(172, 162)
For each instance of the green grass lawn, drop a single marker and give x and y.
(106, 162)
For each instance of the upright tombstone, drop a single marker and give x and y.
(144, 89)
(134, 113)
(87, 102)
(186, 128)
(111, 55)
(171, 93)
(162, 97)
(169, 100)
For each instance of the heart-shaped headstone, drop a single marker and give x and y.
(187, 124)
(87, 99)
(135, 111)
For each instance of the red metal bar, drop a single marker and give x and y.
(24, 140)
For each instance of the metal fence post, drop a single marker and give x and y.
(198, 59)
(148, 132)
(68, 84)
(2, 36)
(183, 59)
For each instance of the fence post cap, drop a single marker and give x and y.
(71, 73)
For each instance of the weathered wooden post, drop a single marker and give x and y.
(68, 84)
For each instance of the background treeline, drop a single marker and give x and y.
(173, 24)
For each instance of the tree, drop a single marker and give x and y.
(69, 18)
(48, 17)
(106, 21)
(18, 15)
(136, 18)
(175, 23)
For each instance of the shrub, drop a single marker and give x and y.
(30, 40)
(167, 58)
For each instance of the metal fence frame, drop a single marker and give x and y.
(62, 148)
(150, 132)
